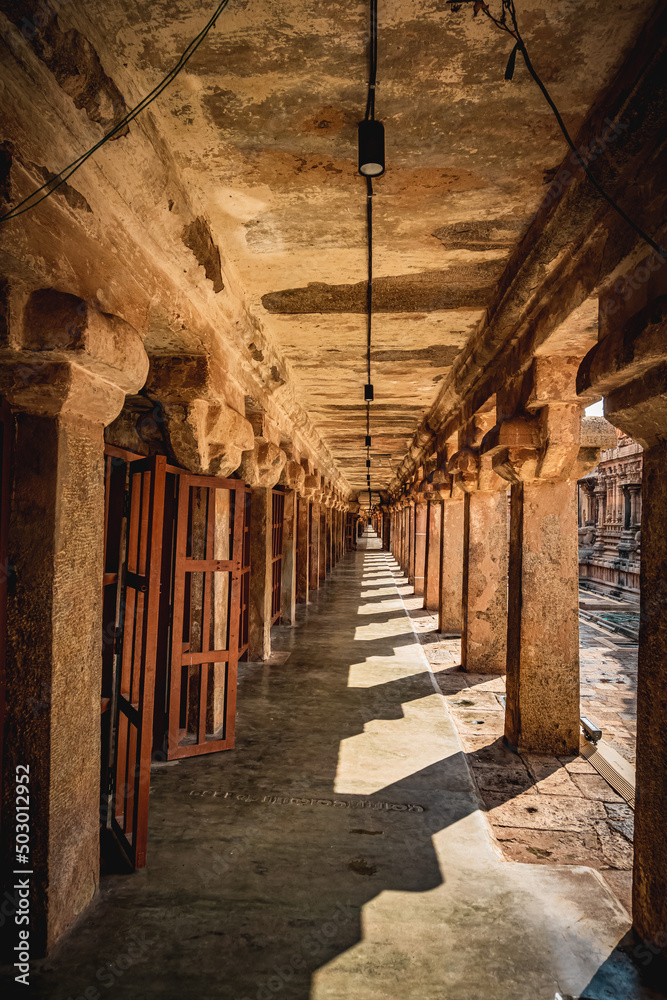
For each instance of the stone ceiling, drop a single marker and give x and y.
(262, 127)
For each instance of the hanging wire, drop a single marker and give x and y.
(369, 285)
(372, 61)
(370, 116)
(31, 201)
(501, 22)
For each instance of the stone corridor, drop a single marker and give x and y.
(339, 850)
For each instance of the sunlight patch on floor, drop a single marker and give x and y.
(381, 607)
(389, 589)
(390, 751)
(377, 670)
(389, 629)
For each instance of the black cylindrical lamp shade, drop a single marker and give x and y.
(371, 148)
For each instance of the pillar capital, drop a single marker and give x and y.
(473, 472)
(556, 444)
(205, 430)
(463, 466)
(442, 485)
(310, 487)
(628, 367)
(513, 448)
(423, 494)
(293, 476)
(263, 464)
(66, 357)
(58, 389)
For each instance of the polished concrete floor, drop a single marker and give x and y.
(339, 851)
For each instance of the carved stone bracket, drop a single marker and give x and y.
(293, 476)
(263, 464)
(71, 359)
(206, 434)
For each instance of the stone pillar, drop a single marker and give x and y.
(540, 456)
(322, 555)
(411, 542)
(261, 467)
(292, 478)
(484, 584)
(314, 547)
(53, 673)
(628, 367)
(259, 611)
(433, 546)
(450, 621)
(405, 563)
(635, 504)
(288, 588)
(650, 871)
(302, 550)
(543, 619)
(406, 541)
(421, 524)
(401, 533)
(330, 540)
(62, 397)
(398, 534)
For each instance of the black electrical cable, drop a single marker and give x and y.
(372, 61)
(369, 286)
(370, 116)
(64, 175)
(509, 8)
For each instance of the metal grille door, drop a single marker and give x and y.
(207, 615)
(135, 664)
(277, 516)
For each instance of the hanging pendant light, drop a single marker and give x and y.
(371, 148)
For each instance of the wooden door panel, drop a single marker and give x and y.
(206, 615)
(136, 657)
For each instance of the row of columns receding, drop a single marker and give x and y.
(500, 569)
(313, 541)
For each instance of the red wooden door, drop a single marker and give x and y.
(135, 662)
(206, 614)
